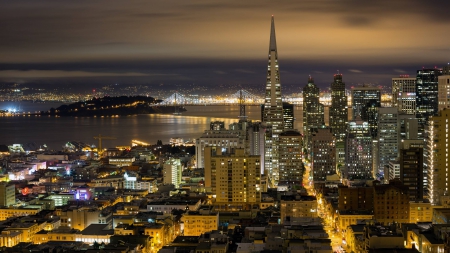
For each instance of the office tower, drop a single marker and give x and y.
(365, 101)
(273, 110)
(427, 93)
(391, 202)
(288, 116)
(388, 139)
(234, 178)
(323, 154)
(391, 171)
(172, 170)
(358, 151)
(338, 115)
(7, 194)
(411, 171)
(256, 141)
(290, 163)
(437, 156)
(404, 94)
(273, 105)
(227, 140)
(313, 110)
(444, 89)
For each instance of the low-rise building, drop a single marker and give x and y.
(197, 223)
(298, 206)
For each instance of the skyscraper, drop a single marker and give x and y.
(437, 156)
(365, 103)
(290, 157)
(404, 94)
(273, 105)
(358, 151)
(313, 110)
(338, 115)
(427, 93)
(444, 88)
(273, 110)
(288, 115)
(323, 154)
(388, 139)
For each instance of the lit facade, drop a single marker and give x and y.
(298, 206)
(444, 92)
(358, 151)
(365, 102)
(196, 223)
(338, 115)
(427, 93)
(388, 138)
(404, 94)
(172, 170)
(273, 109)
(290, 160)
(323, 154)
(7, 194)
(437, 156)
(235, 179)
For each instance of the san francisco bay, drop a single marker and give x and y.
(56, 131)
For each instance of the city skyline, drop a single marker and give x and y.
(222, 43)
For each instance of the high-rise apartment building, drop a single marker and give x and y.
(427, 93)
(404, 94)
(388, 138)
(7, 194)
(290, 148)
(323, 154)
(437, 156)
(365, 101)
(273, 110)
(172, 170)
(338, 115)
(358, 151)
(234, 179)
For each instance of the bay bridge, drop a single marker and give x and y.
(241, 96)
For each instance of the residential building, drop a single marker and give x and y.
(234, 179)
(437, 156)
(297, 205)
(420, 210)
(197, 223)
(356, 198)
(7, 194)
(172, 170)
(391, 202)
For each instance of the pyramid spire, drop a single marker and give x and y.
(273, 40)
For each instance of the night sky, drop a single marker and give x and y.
(219, 43)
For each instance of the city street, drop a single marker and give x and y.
(336, 239)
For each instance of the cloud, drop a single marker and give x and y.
(245, 71)
(399, 71)
(355, 70)
(61, 74)
(220, 72)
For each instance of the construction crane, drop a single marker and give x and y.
(100, 138)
